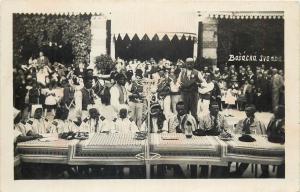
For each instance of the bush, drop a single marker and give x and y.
(104, 64)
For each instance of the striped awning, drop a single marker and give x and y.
(247, 15)
(157, 36)
(160, 24)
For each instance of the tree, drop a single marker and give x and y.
(104, 63)
(32, 32)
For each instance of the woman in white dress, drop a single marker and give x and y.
(230, 99)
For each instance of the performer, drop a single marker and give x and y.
(86, 96)
(249, 125)
(136, 98)
(277, 87)
(177, 124)
(19, 137)
(118, 92)
(92, 123)
(38, 124)
(205, 94)
(158, 122)
(276, 134)
(190, 79)
(174, 87)
(163, 91)
(123, 123)
(60, 123)
(212, 124)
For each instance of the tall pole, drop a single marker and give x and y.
(147, 145)
(147, 89)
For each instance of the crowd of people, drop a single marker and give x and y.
(83, 98)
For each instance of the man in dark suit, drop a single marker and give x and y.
(190, 79)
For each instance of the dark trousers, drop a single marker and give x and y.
(216, 171)
(190, 100)
(243, 166)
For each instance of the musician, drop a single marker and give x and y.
(19, 136)
(86, 96)
(92, 123)
(212, 124)
(177, 125)
(118, 92)
(176, 122)
(68, 99)
(190, 79)
(174, 87)
(276, 134)
(38, 124)
(60, 123)
(249, 125)
(163, 91)
(158, 122)
(123, 123)
(136, 98)
(205, 94)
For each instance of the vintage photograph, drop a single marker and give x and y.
(137, 95)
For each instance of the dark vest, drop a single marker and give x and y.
(86, 98)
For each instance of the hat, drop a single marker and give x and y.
(189, 60)
(250, 108)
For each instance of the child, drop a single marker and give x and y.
(230, 99)
(51, 98)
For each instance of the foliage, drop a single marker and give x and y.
(104, 63)
(31, 32)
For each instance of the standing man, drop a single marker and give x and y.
(118, 92)
(190, 80)
(85, 97)
(277, 86)
(136, 98)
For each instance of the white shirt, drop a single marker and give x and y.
(155, 127)
(38, 126)
(90, 126)
(60, 126)
(125, 126)
(208, 87)
(115, 95)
